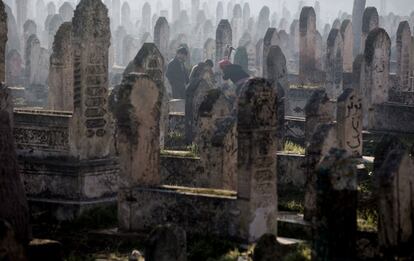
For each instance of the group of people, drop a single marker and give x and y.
(179, 77)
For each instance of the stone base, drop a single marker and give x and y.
(197, 211)
(65, 210)
(66, 187)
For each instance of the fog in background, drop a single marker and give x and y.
(330, 9)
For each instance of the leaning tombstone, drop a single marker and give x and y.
(334, 64)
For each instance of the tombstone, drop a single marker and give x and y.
(241, 58)
(257, 146)
(404, 56)
(307, 56)
(14, 69)
(320, 55)
(37, 72)
(146, 18)
(259, 56)
(90, 43)
(219, 12)
(215, 137)
(252, 56)
(246, 38)
(12, 31)
(13, 206)
(61, 70)
(120, 34)
(375, 89)
(150, 61)
(224, 38)
(137, 114)
(53, 27)
(395, 184)
(195, 6)
(51, 8)
(176, 10)
(210, 49)
(335, 233)
(21, 14)
(357, 15)
(195, 93)
(324, 138)
(3, 41)
(237, 23)
(29, 28)
(162, 35)
(294, 37)
(278, 77)
(271, 39)
(166, 243)
(349, 122)
(334, 64)
(126, 15)
(66, 11)
(246, 15)
(40, 12)
(116, 13)
(263, 22)
(130, 45)
(370, 21)
(208, 29)
(348, 40)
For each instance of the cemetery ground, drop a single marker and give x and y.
(91, 236)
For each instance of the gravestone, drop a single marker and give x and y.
(61, 70)
(349, 122)
(334, 64)
(13, 206)
(150, 61)
(370, 21)
(257, 147)
(137, 114)
(209, 49)
(130, 45)
(176, 10)
(91, 126)
(324, 138)
(263, 22)
(395, 184)
(219, 12)
(146, 18)
(3, 41)
(126, 16)
(215, 137)
(237, 24)
(335, 233)
(120, 34)
(195, 93)
(37, 72)
(116, 14)
(162, 35)
(404, 56)
(348, 40)
(357, 14)
(166, 243)
(14, 69)
(53, 27)
(271, 39)
(66, 11)
(29, 28)
(21, 14)
(246, 15)
(242, 58)
(278, 77)
(259, 56)
(224, 38)
(307, 51)
(12, 31)
(375, 89)
(51, 8)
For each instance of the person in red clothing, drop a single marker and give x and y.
(234, 72)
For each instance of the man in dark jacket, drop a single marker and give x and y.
(177, 74)
(235, 73)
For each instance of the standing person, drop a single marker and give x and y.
(235, 73)
(177, 74)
